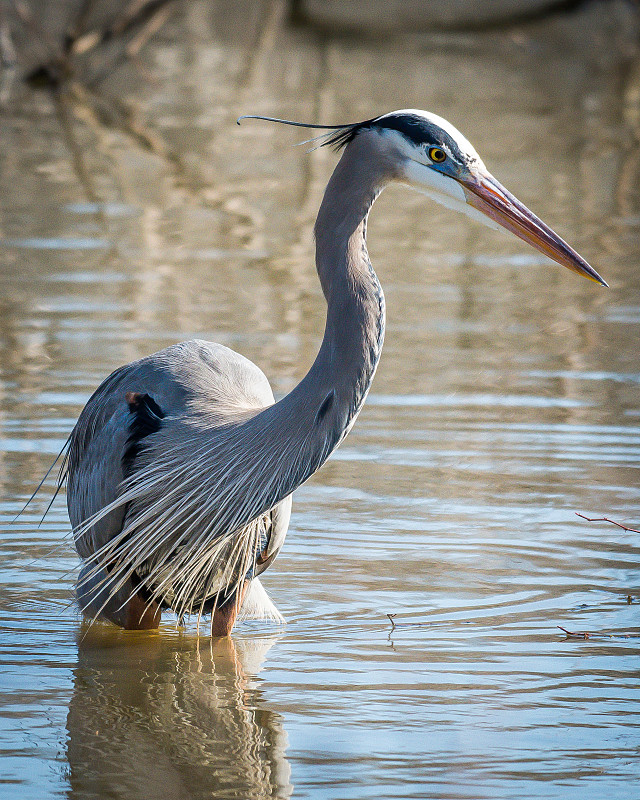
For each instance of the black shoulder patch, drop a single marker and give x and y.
(325, 406)
(145, 418)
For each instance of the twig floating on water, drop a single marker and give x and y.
(611, 521)
(395, 624)
(576, 634)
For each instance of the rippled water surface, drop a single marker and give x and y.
(507, 400)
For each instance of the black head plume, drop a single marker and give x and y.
(337, 136)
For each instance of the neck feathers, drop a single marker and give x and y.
(340, 229)
(350, 350)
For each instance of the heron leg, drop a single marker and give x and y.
(224, 616)
(125, 608)
(142, 615)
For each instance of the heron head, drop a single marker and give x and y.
(428, 153)
(433, 157)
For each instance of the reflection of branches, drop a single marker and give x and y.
(104, 109)
(151, 17)
(628, 118)
(140, 19)
(139, 13)
(61, 70)
(7, 59)
(41, 37)
(74, 65)
(7, 50)
(77, 87)
(79, 24)
(263, 42)
(526, 16)
(83, 174)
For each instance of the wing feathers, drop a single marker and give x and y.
(146, 418)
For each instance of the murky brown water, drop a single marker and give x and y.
(508, 398)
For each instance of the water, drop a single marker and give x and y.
(507, 400)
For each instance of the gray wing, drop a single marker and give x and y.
(189, 375)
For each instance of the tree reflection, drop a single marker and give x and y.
(164, 716)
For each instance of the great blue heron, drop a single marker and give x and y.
(181, 466)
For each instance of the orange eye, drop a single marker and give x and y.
(437, 155)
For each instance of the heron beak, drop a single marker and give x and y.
(487, 195)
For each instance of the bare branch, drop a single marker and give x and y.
(151, 27)
(28, 19)
(78, 26)
(136, 14)
(8, 57)
(574, 634)
(611, 521)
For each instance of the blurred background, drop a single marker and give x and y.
(134, 213)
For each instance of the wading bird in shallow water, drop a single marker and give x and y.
(181, 466)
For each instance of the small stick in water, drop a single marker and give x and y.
(606, 519)
(576, 634)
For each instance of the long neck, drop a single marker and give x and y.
(326, 402)
(267, 455)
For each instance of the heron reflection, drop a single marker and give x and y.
(171, 716)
